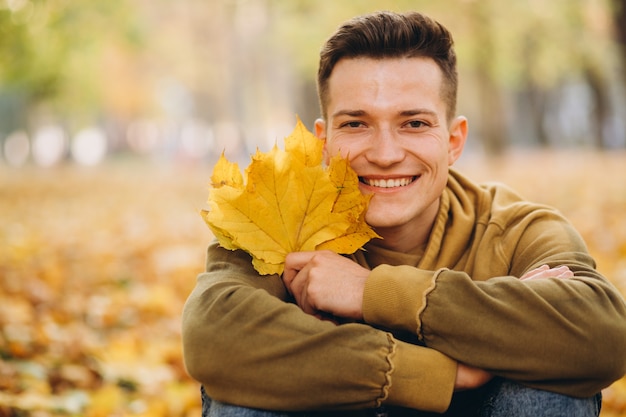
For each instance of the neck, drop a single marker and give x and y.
(402, 239)
(409, 237)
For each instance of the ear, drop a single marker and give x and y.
(458, 135)
(320, 128)
(320, 132)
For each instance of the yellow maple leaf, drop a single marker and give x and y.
(288, 202)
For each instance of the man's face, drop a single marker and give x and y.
(388, 118)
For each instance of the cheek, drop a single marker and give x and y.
(347, 150)
(326, 154)
(434, 151)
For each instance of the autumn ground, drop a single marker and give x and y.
(96, 263)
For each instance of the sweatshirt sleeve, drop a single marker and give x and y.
(561, 335)
(250, 347)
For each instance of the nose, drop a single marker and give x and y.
(385, 149)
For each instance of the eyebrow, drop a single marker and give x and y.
(410, 112)
(353, 113)
(414, 112)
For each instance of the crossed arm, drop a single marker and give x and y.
(323, 283)
(233, 362)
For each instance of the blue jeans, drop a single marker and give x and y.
(499, 398)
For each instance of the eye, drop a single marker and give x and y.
(416, 124)
(352, 124)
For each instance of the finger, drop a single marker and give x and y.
(565, 273)
(535, 272)
(294, 262)
(296, 281)
(288, 276)
(297, 260)
(561, 272)
(305, 304)
(294, 288)
(300, 291)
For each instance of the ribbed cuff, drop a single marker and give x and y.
(422, 378)
(394, 296)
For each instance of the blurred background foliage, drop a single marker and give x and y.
(113, 112)
(190, 78)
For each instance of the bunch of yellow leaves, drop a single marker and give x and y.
(288, 202)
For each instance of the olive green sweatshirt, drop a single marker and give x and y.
(461, 301)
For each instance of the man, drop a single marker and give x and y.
(474, 302)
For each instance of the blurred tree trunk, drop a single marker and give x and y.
(599, 86)
(492, 129)
(492, 115)
(534, 94)
(620, 31)
(620, 35)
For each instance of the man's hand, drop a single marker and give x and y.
(468, 377)
(545, 271)
(325, 282)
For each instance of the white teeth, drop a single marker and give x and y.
(389, 183)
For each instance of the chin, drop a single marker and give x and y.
(381, 221)
(386, 212)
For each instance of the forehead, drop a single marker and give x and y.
(385, 83)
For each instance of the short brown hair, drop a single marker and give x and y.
(391, 35)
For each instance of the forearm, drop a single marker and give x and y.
(563, 335)
(246, 349)
(253, 349)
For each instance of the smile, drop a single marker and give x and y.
(388, 183)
